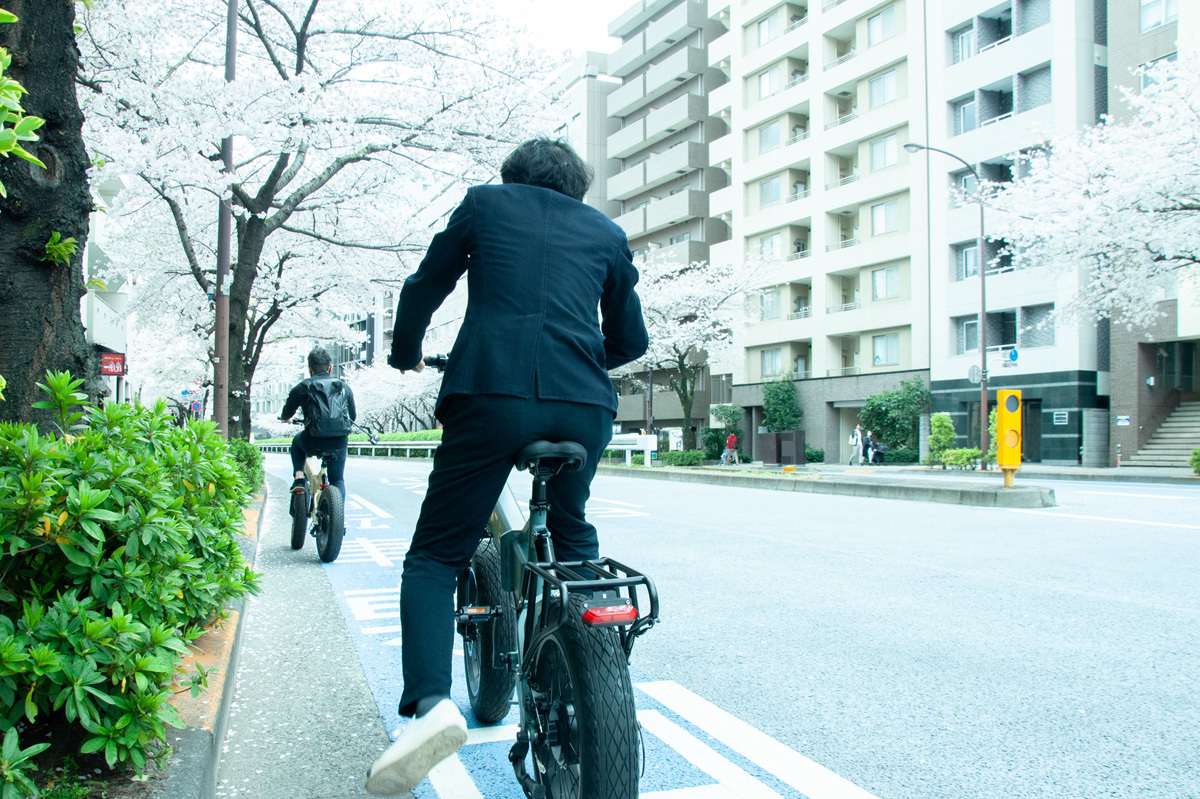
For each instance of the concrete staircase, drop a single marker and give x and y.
(1173, 442)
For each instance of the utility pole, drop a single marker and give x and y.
(224, 233)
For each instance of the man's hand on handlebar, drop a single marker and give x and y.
(420, 365)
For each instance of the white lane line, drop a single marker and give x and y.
(737, 781)
(1140, 496)
(787, 765)
(373, 552)
(378, 511)
(699, 792)
(391, 628)
(1106, 519)
(491, 735)
(616, 502)
(451, 781)
(364, 591)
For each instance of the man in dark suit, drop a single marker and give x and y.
(531, 362)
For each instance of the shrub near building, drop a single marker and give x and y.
(118, 533)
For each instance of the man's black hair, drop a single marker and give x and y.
(319, 360)
(549, 163)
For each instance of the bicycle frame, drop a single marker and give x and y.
(317, 475)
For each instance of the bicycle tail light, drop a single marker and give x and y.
(606, 614)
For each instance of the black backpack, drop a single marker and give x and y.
(327, 412)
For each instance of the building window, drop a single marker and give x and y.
(966, 335)
(966, 261)
(966, 117)
(768, 82)
(769, 246)
(966, 183)
(768, 136)
(768, 191)
(885, 217)
(886, 349)
(768, 29)
(884, 151)
(883, 88)
(1146, 81)
(772, 304)
(681, 238)
(1036, 326)
(1158, 12)
(772, 362)
(881, 26)
(963, 44)
(885, 283)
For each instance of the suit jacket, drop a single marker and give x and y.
(539, 264)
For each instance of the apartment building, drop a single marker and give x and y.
(820, 100)
(1156, 372)
(580, 99)
(661, 152)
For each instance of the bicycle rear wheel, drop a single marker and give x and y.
(489, 684)
(299, 511)
(581, 696)
(331, 524)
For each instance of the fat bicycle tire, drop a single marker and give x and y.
(331, 524)
(582, 675)
(299, 509)
(489, 686)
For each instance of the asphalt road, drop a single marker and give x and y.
(916, 650)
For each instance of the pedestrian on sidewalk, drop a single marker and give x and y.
(731, 454)
(856, 443)
(869, 446)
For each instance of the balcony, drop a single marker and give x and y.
(632, 222)
(837, 62)
(629, 56)
(846, 306)
(828, 4)
(720, 100)
(798, 23)
(675, 209)
(676, 68)
(796, 81)
(995, 44)
(628, 140)
(625, 184)
(629, 98)
(720, 151)
(637, 14)
(842, 120)
(800, 195)
(803, 313)
(720, 202)
(841, 245)
(846, 181)
(677, 24)
(680, 113)
(679, 160)
(685, 252)
(845, 371)
(798, 138)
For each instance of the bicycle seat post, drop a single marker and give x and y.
(539, 506)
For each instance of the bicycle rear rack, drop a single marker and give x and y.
(602, 574)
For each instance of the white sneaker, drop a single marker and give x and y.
(423, 743)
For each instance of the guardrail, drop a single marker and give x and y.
(367, 448)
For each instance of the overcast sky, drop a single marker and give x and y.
(574, 25)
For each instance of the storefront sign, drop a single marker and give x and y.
(112, 363)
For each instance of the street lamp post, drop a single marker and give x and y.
(913, 147)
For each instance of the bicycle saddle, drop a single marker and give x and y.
(572, 455)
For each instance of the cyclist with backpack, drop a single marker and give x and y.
(328, 405)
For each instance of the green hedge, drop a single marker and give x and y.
(691, 457)
(118, 539)
(964, 458)
(813, 455)
(1195, 461)
(901, 455)
(248, 460)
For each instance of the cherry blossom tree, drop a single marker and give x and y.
(1121, 200)
(346, 117)
(690, 310)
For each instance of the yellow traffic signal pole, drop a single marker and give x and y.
(1008, 433)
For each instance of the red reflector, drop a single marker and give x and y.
(617, 614)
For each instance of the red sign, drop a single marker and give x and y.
(112, 363)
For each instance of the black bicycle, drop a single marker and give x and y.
(561, 634)
(317, 509)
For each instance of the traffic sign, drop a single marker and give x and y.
(1012, 355)
(196, 406)
(975, 374)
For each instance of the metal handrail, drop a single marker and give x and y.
(796, 256)
(840, 60)
(796, 81)
(800, 195)
(841, 245)
(831, 3)
(803, 313)
(996, 43)
(848, 306)
(844, 372)
(846, 181)
(796, 24)
(797, 139)
(841, 120)
(994, 120)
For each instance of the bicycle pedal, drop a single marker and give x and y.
(475, 613)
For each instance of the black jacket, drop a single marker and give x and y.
(298, 397)
(539, 266)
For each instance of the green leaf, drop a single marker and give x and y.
(93, 745)
(75, 556)
(7, 16)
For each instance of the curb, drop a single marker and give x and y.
(912, 490)
(197, 747)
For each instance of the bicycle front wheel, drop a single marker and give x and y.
(331, 524)
(581, 699)
(299, 511)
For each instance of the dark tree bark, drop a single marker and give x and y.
(40, 324)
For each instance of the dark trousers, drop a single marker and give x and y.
(480, 437)
(304, 446)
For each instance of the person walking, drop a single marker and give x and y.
(869, 447)
(856, 445)
(551, 308)
(730, 455)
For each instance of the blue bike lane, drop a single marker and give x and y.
(692, 748)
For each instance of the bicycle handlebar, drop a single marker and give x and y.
(439, 361)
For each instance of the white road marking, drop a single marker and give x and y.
(368, 608)
(392, 628)
(787, 765)
(1106, 519)
(616, 502)
(364, 591)
(378, 511)
(699, 792)
(1140, 496)
(702, 756)
(491, 735)
(372, 551)
(451, 781)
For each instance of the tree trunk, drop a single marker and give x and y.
(40, 325)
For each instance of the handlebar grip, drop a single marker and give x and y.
(439, 361)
